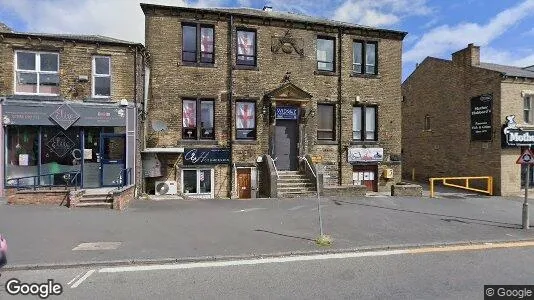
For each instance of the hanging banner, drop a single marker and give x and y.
(481, 114)
(206, 156)
(365, 155)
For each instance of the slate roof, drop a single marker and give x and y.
(279, 15)
(508, 70)
(77, 37)
(5, 28)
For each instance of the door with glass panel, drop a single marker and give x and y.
(112, 158)
(197, 183)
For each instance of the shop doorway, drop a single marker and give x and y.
(285, 145)
(113, 159)
(244, 186)
(366, 175)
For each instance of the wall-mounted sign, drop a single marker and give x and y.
(206, 156)
(60, 144)
(286, 113)
(481, 113)
(515, 136)
(365, 154)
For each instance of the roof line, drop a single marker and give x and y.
(73, 38)
(145, 6)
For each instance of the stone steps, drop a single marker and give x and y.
(293, 184)
(96, 200)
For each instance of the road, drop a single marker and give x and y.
(452, 273)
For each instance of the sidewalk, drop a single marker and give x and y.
(177, 229)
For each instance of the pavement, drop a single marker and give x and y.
(184, 230)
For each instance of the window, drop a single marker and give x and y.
(195, 36)
(427, 122)
(364, 123)
(198, 124)
(246, 47)
(527, 109)
(325, 124)
(101, 77)
(325, 54)
(36, 73)
(364, 57)
(245, 121)
(197, 182)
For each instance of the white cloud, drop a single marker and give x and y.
(490, 54)
(529, 32)
(379, 12)
(446, 39)
(122, 19)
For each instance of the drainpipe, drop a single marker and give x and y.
(230, 98)
(136, 190)
(340, 146)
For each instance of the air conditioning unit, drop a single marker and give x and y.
(166, 188)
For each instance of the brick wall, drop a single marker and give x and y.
(58, 197)
(171, 81)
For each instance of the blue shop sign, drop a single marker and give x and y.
(206, 156)
(287, 113)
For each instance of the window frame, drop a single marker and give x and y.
(333, 105)
(528, 110)
(334, 66)
(255, 129)
(197, 171)
(363, 53)
(94, 76)
(198, 119)
(198, 49)
(36, 71)
(255, 55)
(363, 132)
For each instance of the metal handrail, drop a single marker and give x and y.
(37, 179)
(274, 164)
(308, 163)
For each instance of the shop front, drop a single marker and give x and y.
(57, 143)
(365, 166)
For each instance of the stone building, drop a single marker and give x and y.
(69, 114)
(234, 89)
(454, 113)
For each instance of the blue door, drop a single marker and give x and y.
(112, 159)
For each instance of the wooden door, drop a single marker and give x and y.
(243, 183)
(366, 175)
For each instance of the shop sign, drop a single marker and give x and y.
(365, 155)
(515, 136)
(206, 156)
(60, 144)
(65, 116)
(286, 113)
(481, 114)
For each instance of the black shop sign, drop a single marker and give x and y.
(206, 156)
(481, 114)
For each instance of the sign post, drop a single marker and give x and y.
(527, 158)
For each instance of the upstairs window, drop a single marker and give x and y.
(194, 37)
(325, 54)
(325, 123)
(527, 109)
(101, 77)
(36, 73)
(364, 57)
(246, 47)
(245, 120)
(198, 123)
(364, 123)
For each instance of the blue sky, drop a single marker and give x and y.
(503, 28)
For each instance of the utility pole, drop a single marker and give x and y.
(525, 203)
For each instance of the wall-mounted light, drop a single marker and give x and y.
(264, 109)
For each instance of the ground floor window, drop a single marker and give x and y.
(197, 181)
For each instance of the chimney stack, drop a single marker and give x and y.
(469, 56)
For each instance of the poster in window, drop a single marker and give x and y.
(481, 114)
(23, 159)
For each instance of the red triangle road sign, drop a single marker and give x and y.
(526, 158)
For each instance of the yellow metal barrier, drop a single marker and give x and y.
(488, 190)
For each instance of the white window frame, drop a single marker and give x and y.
(36, 71)
(197, 194)
(94, 75)
(528, 98)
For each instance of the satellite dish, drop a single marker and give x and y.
(159, 126)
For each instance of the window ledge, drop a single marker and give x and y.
(324, 73)
(371, 76)
(246, 67)
(245, 142)
(197, 65)
(99, 100)
(197, 142)
(374, 143)
(325, 142)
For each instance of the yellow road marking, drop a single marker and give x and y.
(471, 247)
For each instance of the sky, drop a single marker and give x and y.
(504, 29)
